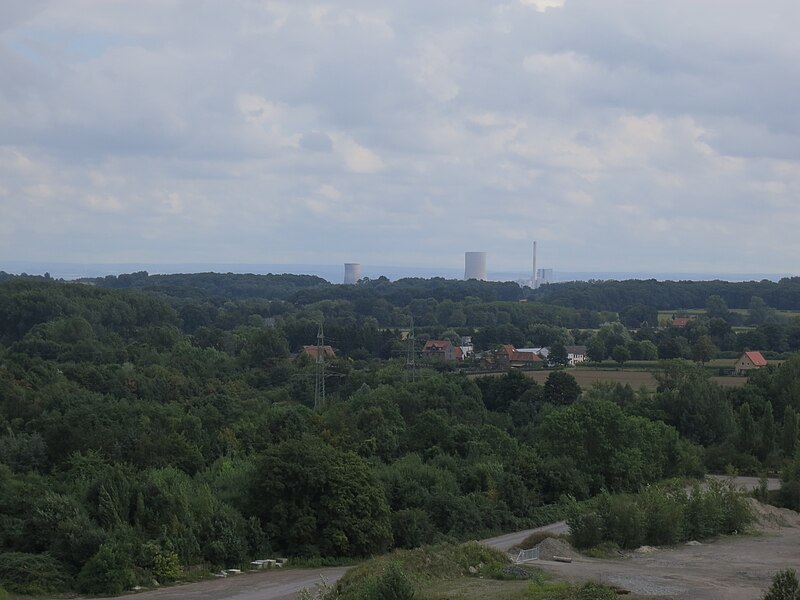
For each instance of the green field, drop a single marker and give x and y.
(636, 378)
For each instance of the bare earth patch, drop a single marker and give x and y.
(729, 568)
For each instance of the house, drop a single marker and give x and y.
(749, 361)
(507, 356)
(313, 351)
(681, 321)
(442, 350)
(576, 354)
(543, 352)
(467, 349)
(521, 360)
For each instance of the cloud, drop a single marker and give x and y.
(356, 157)
(543, 5)
(625, 127)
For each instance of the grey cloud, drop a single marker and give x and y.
(317, 141)
(610, 128)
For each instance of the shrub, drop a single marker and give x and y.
(167, 567)
(412, 527)
(784, 586)
(4, 594)
(624, 522)
(663, 516)
(33, 574)
(586, 530)
(392, 584)
(110, 571)
(593, 591)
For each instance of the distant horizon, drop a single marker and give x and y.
(335, 273)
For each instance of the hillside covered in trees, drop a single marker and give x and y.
(150, 424)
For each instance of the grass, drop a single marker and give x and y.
(635, 377)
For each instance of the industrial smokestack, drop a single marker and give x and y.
(475, 265)
(352, 273)
(534, 281)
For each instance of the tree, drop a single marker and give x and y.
(790, 432)
(558, 355)
(767, 432)
(314, 499)
(561, 389)
(758, 311)
(596, 350)
(703, 349)
(621, 354)
(716, 307)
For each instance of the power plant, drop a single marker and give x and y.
(352, 273)
(539, 276)
(475, 265)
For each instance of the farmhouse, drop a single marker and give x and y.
(576, 354)
(314, 351)
(442, 350)
(681, 321)
(749, 361)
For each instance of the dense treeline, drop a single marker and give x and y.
(669, 295)
(143, 433)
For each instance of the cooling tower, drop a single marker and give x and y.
(352, 273)
(475, 265)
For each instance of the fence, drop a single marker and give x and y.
(527, 555)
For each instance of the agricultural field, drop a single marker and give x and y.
(636, 378)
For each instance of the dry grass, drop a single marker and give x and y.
(636, 378)
(586, 378)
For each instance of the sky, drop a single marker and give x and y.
(622, 135)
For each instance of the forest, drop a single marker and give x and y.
(151, 426)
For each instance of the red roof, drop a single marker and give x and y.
(681, 321)
(756, 358)
(524, 357)
(436, 345)
(507, 349)
(313, 351)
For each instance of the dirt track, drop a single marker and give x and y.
(734, 568)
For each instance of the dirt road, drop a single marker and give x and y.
(734, 568)
(269, 585)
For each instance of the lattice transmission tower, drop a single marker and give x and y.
(319, 386)
(411, 355)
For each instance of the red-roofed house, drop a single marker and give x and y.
(313, 351)
(749, 361)
(442, 350)
(520, 360)
(506, 356)
(681, 321)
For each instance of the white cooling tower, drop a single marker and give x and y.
(475, 265)
(352, 273)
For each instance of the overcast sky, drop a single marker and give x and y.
(622, 135)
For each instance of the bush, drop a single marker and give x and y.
(412, 527)
(663, 517)
(4, 594)
(33, 574)
(586, 530)
(624, 522)
(110, 571)
(784, 586)
(593, 591)
(392, 584)
(166, 567)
